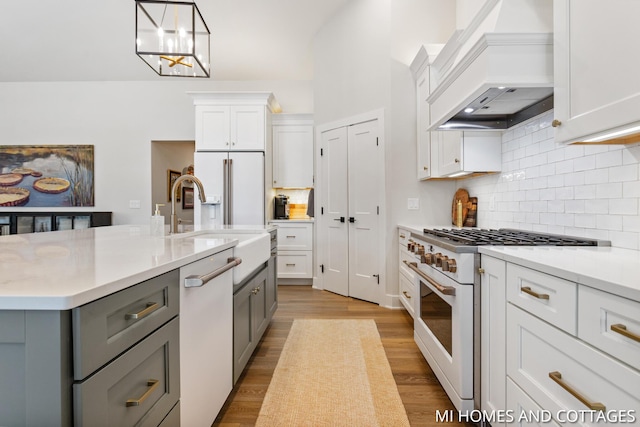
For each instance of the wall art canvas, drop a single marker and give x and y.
(46, 175)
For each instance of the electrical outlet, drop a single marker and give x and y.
(134, 204)
(413, 204)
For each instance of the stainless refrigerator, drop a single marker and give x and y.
(234, 185)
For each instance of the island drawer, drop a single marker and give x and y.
(105, 328)
(548, 297)
(610, 323)
(138, 388)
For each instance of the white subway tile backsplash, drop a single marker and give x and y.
(573, 151)
(555, 181)
(631, 189)
(612, 190)
(631, 223)
(574, 206)
(594, 149)
(565, 219)
(585, 221)
(623, 173)
(584, 163)
(549, 194)
(608, 159)
(582, 190)
(596, 206)
(565, 193)
(573, 179)
(566, 166)
(555, 155)
(555, 205)
(623, 206)
(597, 176)
(609, 222)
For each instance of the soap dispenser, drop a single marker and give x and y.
(157, 222)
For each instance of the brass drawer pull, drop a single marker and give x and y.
(622, 330)
(527, 290)
(150, 308)
(406, 294)
(152, 384)
(290, 265)
(594, 406)
(402, 236)
(291, 237)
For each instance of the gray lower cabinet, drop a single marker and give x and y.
(35, 368)
(251, 317)
(139, 388)
(112, 362)
(272, 279)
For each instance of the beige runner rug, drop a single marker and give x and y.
(333, 373)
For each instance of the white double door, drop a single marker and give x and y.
(350, 203)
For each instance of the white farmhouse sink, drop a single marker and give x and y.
(253, 248)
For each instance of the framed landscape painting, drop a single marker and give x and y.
(46, 175)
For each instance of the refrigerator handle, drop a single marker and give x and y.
(230, 196)
(225, 191)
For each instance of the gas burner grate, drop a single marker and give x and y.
(506, 237)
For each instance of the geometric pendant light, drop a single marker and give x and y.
(172, 38)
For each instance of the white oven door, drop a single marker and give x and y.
(444, 333)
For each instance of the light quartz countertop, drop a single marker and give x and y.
(61, 270)
(612, 270)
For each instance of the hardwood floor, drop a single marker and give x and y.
(419, 389)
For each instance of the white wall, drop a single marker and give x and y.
(580, 190)
(361, 65)
(121, 119)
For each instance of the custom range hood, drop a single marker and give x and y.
(497, 72)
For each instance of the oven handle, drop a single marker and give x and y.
(445, 290)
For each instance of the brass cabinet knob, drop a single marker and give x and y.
(456, 160)
(555, 123)
(425, 168)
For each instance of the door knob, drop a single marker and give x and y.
(341, 219)
(352, 219)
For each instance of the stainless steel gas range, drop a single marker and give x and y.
(447, 322)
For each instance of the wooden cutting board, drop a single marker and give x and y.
(462, 195)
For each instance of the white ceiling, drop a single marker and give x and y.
(89, 40)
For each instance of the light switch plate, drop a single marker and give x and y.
(413, 204)
(134, 204)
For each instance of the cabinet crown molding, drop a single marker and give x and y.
(236, 98)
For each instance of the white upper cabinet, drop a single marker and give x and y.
(230, 128)
(292, 151)
(463, 153)
(425, 169)
(425, 151)
(231, 121)
(597, 89)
